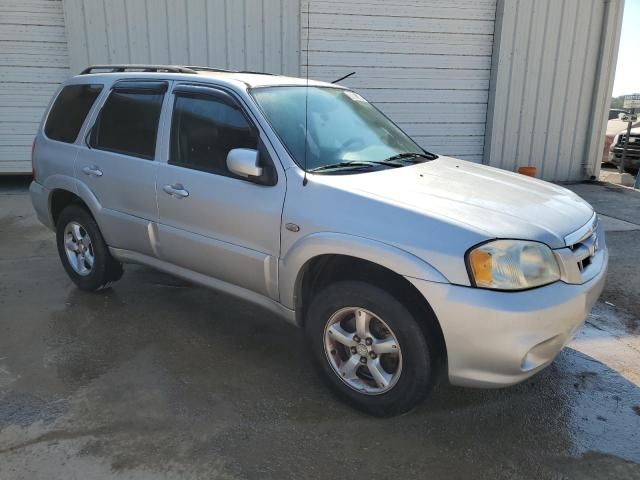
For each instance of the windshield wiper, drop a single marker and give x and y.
(408, 155)
(353, 164)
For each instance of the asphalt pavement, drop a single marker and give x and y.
(158, 379)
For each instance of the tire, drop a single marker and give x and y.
(76, 221)
(408, 385)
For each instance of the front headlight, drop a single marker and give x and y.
(512, 265)
(614, 142)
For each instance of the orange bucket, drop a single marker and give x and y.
(529, 171)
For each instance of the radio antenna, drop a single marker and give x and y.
(306, 98)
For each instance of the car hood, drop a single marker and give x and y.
(489, 201)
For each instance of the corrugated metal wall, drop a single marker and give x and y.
(33, 62)
(261, 35)
(425, 63)
(552, 73)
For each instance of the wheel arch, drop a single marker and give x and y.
(322, 258)
(300, 256)
(64, 191)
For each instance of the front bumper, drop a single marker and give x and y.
(632, 160)
(496, 339)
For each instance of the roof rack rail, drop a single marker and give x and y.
(211, 69)
(138, 68)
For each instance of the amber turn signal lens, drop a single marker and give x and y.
(481, 267)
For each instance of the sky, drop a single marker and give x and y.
(628, 70)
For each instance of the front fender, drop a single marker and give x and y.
(330, 243)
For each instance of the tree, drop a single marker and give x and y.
(617, 102)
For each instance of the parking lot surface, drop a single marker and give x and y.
(155, 378)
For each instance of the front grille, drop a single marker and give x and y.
(634, 140)
(582, 258)
(585, 249)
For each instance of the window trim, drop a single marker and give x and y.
(87, 119)
(143, 87)
(222, 95)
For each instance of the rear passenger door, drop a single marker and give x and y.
(210, 220)
(118, 163)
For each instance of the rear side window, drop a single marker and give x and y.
(128, 123)
(69, 111)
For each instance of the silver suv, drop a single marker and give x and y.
(300, 196)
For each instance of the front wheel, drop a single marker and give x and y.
(369, 347)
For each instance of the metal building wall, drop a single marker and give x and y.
(33, 62)
(260, 35)
(426, 64)
(552, 75)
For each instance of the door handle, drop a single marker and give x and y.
(176, 190)
(94, 170)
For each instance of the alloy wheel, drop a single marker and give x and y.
(363, 350)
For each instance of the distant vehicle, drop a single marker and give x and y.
(614, 127)
(632, 159)
(615, 113)
(302, 197)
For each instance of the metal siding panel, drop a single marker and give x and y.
(560, 89)
(579, 158)
(418, 43)
(501, 81)
(34, 61)
(611, 23)
(254, 35)
(462, 10)
(536, 53)
(572, 140)
(236, 59)
(544, 102)
(157, 26)
(97, 40)
(197, 33)
(235, 34)
(429, 78)
(115, 24)
(544, 97)
(518, 73)
(22, 33)
(177, 32)
(137, 31)
(400, 24)
(291, 37)
(272, 37)
(217, 33)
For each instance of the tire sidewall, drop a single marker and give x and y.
(416, 377)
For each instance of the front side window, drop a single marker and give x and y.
(339, 124)
(69, 111)
(128, 123)
(204, 130)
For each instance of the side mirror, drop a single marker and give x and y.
(244, 162)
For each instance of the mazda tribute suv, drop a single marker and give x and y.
(300, 196)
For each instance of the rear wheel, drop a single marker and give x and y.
(369, 348)
(83, 252)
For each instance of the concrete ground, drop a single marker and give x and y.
(156, 379)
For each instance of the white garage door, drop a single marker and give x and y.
(33, 62)
(425, 63)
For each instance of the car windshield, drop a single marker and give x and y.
(342, 126)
